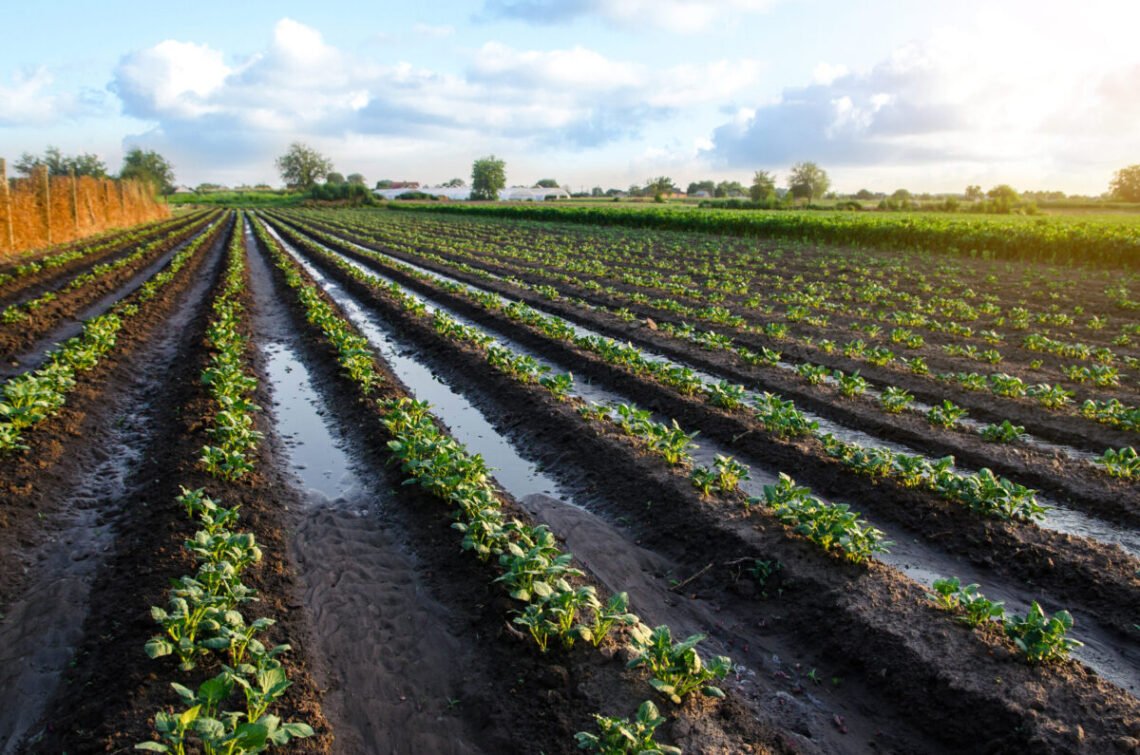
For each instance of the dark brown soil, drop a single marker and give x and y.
(870, 620)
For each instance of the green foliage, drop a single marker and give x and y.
(302, 167)
(149, 167)
(620, 736)
(677, 668)
(488, 178)
(1042, 638)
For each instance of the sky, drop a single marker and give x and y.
(882, 94)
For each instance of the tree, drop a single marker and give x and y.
(901, 194)
(660, 186)
(698, 186)
(455, 183)
(335, 178)
(1125, 184)
(150, 167)
(597, 192)
(763, 186)
(808, 180)
(59, 164)
(302, 166)
(729, 189)
(546, 183)
(488, 177)
(973, 193)
(384, 183)
(356, 179)
(863, 194)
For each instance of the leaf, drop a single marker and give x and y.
(156, 647)
(152, 747)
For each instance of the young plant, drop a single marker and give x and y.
(1006, 432)
(620, 736)
(945, 414)
(894, 400)
(677, 668)
(1042, 638)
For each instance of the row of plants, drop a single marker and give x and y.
(981, 491)
(1070, 243)
(1040, 638)
(18, 312)
(891, 399)
(831, 526)
(228, 377)
(34, 396)
(203, 623)
(556, 604)
(909, 312)
(94, 246)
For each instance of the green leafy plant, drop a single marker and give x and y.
(1042, 638)
(621, 736)
(677, 668)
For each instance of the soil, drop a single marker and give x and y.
(877, 622)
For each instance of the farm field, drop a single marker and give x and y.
(374, 481)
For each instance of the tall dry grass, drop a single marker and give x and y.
(39, 211)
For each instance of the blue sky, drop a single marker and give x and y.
(590, 92)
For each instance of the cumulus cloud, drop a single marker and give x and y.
(31, 99)
(961, 97)
(302, 86)
(683, 16)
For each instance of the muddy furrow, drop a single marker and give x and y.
(27, 287)
(149, 528)
(1058, 428)
(627, 467)
(1063, 472)
(77, 499)
(1097, 578)
(27, 343)
(571, 685)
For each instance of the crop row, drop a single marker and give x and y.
(231, 385)
(829, 526)
(1071, 243)
(981, 491)
(18, 312)
(845, 286)
(1051, 396)
(556, 601)
(34, 396)
(94, 246)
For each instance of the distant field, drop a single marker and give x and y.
(1099, 239)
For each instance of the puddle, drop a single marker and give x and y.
(396, 662)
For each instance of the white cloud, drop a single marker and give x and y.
(301, 87)
(171, 79)
(967, 98)
(31, 100)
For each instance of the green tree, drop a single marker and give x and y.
(150, 167)
(1125, 184)
(729, 189)
(808, 180)
(355, 179)
(763, 186)
(302, 166)
(384, 183)
(59, 164)
(597, 192)
(335, 178)
(488, 177)
(546, 183)
(863, 194)
(455, 183)
(660, 186)
(699, 186)
(973, 193)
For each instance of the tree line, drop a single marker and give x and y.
(138, 164)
